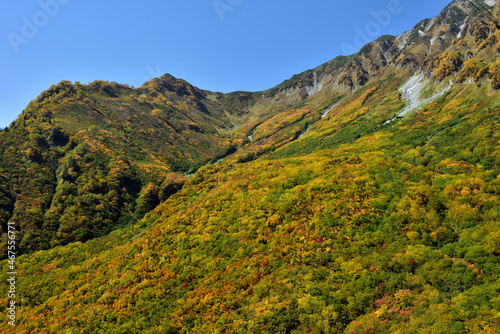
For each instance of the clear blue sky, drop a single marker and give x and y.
(218, 45)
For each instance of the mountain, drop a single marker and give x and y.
(362, 196)
(82, 160)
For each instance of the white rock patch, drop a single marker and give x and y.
(317, 86)
(462, 26)
(330, 109)
(305, 132)
(412, 91)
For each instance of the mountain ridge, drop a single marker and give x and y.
(191, 120)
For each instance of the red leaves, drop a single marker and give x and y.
(379, 303)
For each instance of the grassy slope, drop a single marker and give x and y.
(356, 227)
(104, 151)
(396, 230)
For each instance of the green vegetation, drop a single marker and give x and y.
(367, 223)
(385, 38)
(82, 160)
(392, 232)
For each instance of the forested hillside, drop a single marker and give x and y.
(362, 196)
(84, 159)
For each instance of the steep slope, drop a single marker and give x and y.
(382, 234)
(341, 211)
(388, 79)
(82, 160)
(168, 126)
